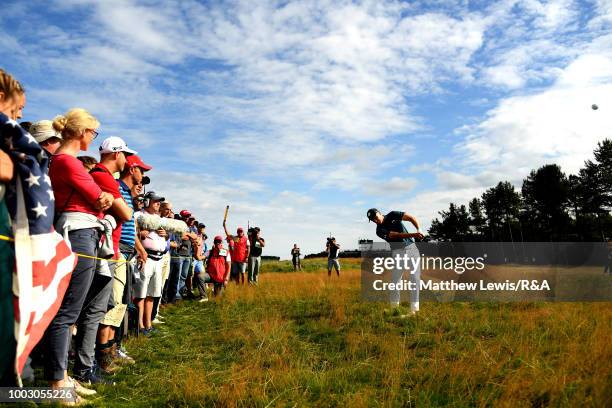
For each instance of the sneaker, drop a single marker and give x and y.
(121, 357)
(202, 300)
(91, 377)
(160, 317)
(157, 321)
(83, 391)
(144, 332)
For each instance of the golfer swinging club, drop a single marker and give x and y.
(391, 229)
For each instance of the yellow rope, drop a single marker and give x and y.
(5, 238)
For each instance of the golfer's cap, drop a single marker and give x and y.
(240, 229)
(135, 161)
(146, 180)
(114, 144)
(152, 195)
(185, 213)
(43, 130)
(372, 213)
(218, 238)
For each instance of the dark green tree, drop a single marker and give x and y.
(454, 225)
(478, 222)
(545, 201)
(502, 205)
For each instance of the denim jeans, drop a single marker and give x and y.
(57, 336)
(254, 264)
(94, 309)
(179, 268)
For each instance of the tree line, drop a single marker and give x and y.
(550, 206)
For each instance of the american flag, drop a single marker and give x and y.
(43, 259)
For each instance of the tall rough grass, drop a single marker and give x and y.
(303, 339)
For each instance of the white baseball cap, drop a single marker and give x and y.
(114, 144)
(43, 130)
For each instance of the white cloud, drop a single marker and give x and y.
(554, 125)
(321, 96)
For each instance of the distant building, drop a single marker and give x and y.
(365, 244)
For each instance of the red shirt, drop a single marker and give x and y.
(217, 264)
(103, 177)
(73, 187)
(240, 249)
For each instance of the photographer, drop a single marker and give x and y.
(333, 251)
(257, 243)
(295, 258)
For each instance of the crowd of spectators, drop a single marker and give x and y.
(134, 254)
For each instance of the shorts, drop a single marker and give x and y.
(150, 283)
(238, 268)
(165, 267)
(114, 317)
(333, 263)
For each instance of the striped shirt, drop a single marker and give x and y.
(128, 231)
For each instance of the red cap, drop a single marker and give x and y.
(185, 213)
(240, 229)
(135, 160)
(218, 238)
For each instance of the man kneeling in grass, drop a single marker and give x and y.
(217, 269)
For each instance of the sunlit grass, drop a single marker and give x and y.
(303, 339)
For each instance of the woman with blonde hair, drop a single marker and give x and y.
(79, 203)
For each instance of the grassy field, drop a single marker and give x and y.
(302, 339)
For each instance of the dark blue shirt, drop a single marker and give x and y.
(393, 223)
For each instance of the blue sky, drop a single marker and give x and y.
(301, 115)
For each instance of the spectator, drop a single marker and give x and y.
(295, 258)
(180, 262)
(165, 211)
(199, 258)
(137, 201)
(79, 202)
(187, 290)
(88, 162)
(131, 174)
(46, 136)
(149, 285)
(10, 89)
(217, 267)
(25, 125)
(20, 105)
(333, 253)
(257, 244)
(240, 247)
(113, 159)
